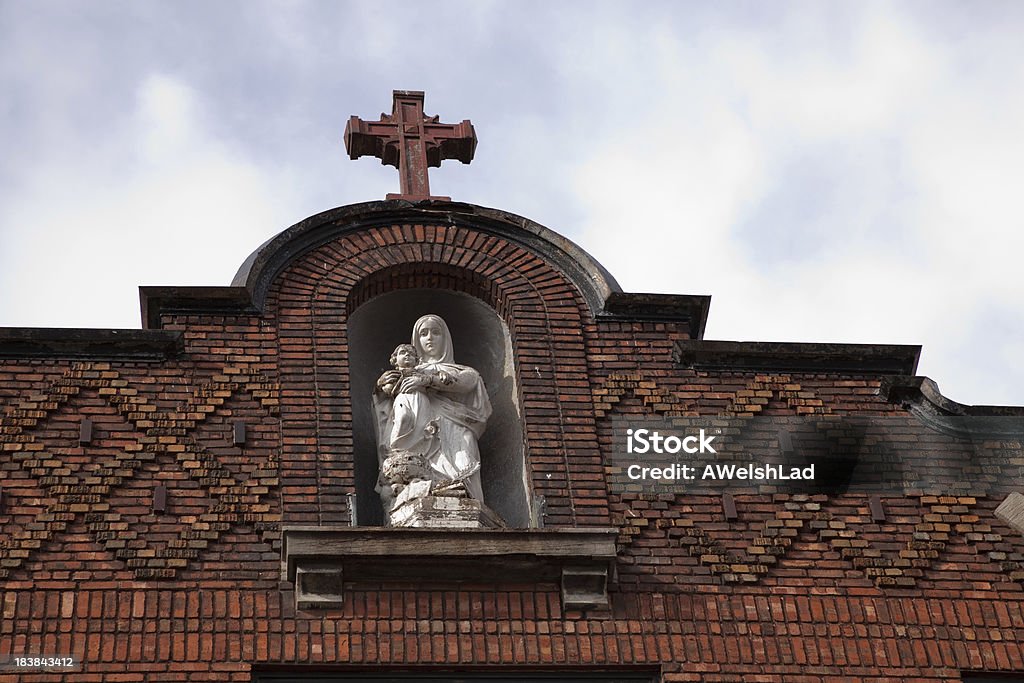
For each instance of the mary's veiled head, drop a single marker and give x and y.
(432, 339)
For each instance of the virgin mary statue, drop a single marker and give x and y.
(430, 412)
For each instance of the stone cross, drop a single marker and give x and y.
(411, 142)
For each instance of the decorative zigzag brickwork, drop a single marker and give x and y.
(752, 398)
(619, 385)
(759, 392)
(833, 526)
(72, 495)
(742, 559)
(810, 520)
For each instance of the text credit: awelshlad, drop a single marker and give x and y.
(645, 442)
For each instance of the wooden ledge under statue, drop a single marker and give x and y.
(321, 562)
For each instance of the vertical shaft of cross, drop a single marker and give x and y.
(407, 112)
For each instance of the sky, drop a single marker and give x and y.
(826, 171)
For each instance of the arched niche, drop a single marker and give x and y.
(481, 340)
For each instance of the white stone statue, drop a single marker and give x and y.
(429, 413)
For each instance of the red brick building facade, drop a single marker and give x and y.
(165, 491)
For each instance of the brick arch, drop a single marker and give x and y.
(426, 275)
(261, 269)
(545, 313)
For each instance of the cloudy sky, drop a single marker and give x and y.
(836, 172)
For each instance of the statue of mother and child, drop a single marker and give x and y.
(429, 414)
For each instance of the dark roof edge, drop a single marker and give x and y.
(873, 359)
(689, 308)
(93, 344)
(158, 300)
(921, 396)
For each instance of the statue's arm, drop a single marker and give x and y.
(455, 380)
(452, 380)
(388, 380)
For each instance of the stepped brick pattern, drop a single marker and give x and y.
(797, 588)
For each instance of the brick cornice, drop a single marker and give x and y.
(921, 396)
(97, 344)
(633, 306)
(872, 359)
(156, 301)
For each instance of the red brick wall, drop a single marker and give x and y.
(796, 589)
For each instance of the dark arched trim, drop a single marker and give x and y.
(921, 396)
(259, 270)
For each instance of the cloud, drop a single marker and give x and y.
(827, 172)
(163, 202)
(844, 192)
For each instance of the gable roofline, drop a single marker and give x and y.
(248, 290)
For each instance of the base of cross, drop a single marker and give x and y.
(417, 197)
(445, 512)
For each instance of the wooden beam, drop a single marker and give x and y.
(729, 507)
(160, 499)
(85, 431)
(877, 509)
(238, 432)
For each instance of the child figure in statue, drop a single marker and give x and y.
(399, 467)
(404, 360)
(405, 405)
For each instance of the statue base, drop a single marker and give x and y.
(445, 512)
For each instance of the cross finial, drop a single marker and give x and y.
(411, 142)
